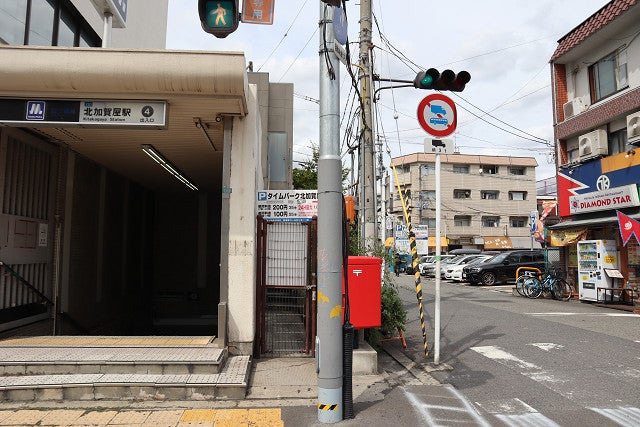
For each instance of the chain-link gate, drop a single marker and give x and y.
(286, 308)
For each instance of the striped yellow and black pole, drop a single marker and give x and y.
(414, 259)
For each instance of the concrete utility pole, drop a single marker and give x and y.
(329, 317)
(368, 186)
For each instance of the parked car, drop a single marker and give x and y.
(425, 260)
(455, 272)
(428, 268)
(464, 251)
(502, 267)
(458, 260)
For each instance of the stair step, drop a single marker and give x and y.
(230, 383)
(23, 360)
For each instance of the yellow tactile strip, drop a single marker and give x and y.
(267, 417)
(102, 341)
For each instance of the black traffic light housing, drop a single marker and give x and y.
(448, 80)
(219, 17)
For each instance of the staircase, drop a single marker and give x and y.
(120, 368)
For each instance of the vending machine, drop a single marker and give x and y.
(594, 257)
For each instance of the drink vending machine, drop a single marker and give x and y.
(594, 257)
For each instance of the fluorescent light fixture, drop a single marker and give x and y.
(150, 151)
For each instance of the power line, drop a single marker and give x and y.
(283, 37)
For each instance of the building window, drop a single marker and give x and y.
(608, 75)
(460, 168)
(429, 222)
(489, 169)
(518, 221)
(517, 170)
(618, 142)
(573, 155)
(426, 198)
(490, 221)
(489, 194)
(13, 17)
(44, 23)
(41, 23)
(428, 169)
(461, 194)
(517, 195)
(462, 220)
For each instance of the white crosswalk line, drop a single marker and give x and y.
(527, 420)
(514, 412)
(625, 417)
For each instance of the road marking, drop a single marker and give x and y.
(428, 412)
(626, 417)
(583, 314)
(523, 420)
(496, 353)
(547, 346)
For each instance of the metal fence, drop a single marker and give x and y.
(285, 288)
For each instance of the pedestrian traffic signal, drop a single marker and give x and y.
(219, 17)
(448, 80)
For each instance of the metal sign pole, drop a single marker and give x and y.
(436, 338)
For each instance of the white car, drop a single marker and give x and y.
(456, 272)
(460, 259)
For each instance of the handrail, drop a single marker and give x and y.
(26, 283)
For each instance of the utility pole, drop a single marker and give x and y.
(368, 186)
(329, 316)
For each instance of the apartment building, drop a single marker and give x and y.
(486, 201)
(596, 100)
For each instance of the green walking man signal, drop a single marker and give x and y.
(219, 17)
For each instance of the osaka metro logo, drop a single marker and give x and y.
(35, 110)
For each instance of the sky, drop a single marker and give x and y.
(504, 44)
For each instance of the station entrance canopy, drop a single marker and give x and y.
(186, 93)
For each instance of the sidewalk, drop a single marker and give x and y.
(282, 391)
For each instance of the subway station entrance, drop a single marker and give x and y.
(120, 227)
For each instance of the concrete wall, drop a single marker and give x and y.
(146, 24)
(245, 181)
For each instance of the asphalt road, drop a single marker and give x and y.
(530, 362)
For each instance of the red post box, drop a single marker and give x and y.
(365, 307)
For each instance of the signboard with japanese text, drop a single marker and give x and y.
(257, 12)
(288, 205)
(83, 112)
(123, 113)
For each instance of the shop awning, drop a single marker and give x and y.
(443, 242)
(497, 242)
(608, 217)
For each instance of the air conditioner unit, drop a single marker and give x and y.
(593, 144)
(573, 107)
(633, 128)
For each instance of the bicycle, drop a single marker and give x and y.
(533, 286)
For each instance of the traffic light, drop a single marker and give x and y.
(448, 80)
(219, 17)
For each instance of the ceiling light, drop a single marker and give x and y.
(150, 151)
